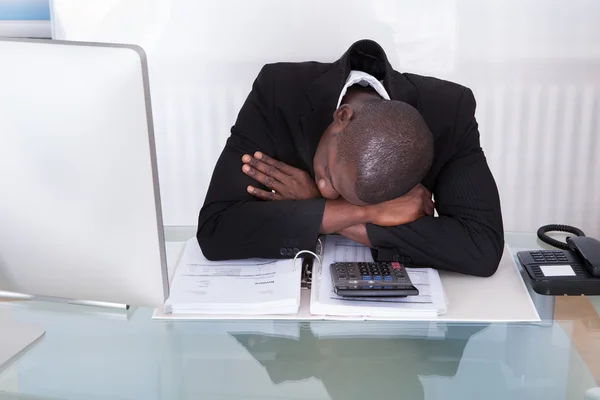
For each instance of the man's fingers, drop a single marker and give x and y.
(427, 192)
(429, 207)
(258, 176)
(263, 194)
(283, 167)
(265, 168)
(424, 189)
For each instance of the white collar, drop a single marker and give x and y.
(362, 78)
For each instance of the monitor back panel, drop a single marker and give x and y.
(80, 213)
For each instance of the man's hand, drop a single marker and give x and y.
(408, 208)
(288, 183)
(340, 215)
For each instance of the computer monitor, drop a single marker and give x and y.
(80, 214)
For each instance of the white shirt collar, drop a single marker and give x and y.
(362, 78)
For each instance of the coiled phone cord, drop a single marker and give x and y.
(542, 234)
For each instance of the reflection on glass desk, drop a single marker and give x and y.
(93, 353)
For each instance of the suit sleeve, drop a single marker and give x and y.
(233, 224)
(467, 236)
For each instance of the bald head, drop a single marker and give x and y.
(390, 146)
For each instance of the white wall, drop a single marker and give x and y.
(534, 66)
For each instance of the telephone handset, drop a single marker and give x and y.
(573, 270)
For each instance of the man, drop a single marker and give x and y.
(289, 173)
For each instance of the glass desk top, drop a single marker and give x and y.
(93, 353)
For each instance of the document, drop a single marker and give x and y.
(273, 287)
(429, 303)
(193, 256)
(255, 286)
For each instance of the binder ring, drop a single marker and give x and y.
(306, 270)
(306, 252)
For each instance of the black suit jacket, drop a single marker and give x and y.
(284, 116)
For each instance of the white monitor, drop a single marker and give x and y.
(80, 214)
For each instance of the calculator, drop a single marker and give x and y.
(371, 279)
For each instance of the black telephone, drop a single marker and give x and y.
(573, 270)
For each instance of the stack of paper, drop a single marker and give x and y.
(429, 303)
(238, 287)
(272, 287)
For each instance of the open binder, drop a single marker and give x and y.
(300, 288)
(503, 297)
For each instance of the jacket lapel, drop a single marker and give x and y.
(313, 126)
(322, 94)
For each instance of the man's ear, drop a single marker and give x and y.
(343, 114)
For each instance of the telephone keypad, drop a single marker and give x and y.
(547, 256)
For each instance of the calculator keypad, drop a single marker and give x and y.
(369, 275)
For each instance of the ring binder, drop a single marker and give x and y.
(307, 264)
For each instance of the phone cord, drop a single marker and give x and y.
(541, 233)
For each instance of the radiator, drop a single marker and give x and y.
(542, 144)
(533, 66)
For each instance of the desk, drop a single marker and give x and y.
(93, 353)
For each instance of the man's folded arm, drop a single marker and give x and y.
(247, 229)
(233, 224)
(467, 237)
